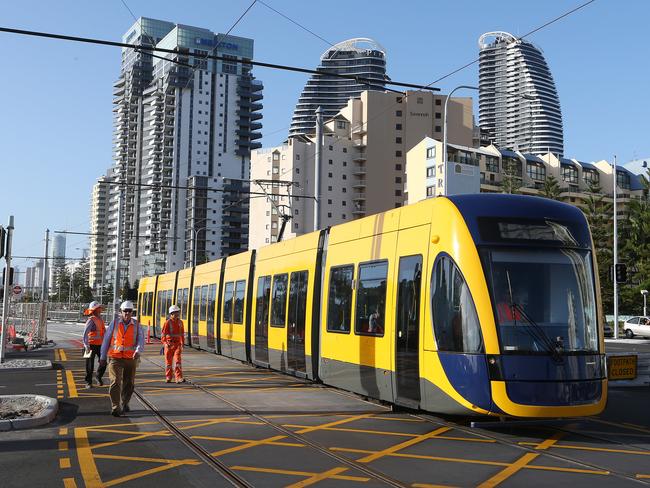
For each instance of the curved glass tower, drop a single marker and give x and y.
(363, 57)
(509, 68)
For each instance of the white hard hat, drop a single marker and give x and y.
(94, 305)
(127, 305)
(174, 308)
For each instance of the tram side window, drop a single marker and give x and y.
(196, 306)
(184, 302)
(240, 290)
(279, 301)
(339, 303)
(169, 298)
(263, 298)
(455, 322)
(159, 304)
(204, 303)
(298, 304)
(227, 302)
(371, 299)
(212, 293)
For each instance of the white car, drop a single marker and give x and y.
(637, 326)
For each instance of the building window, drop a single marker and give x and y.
(569, 173)
(398, 154)
(438, 128)
(492, 164)
(536, 171)
(330, 161)
(420, 100)
(398, 113)
(343, 216)
(398, 126)
(329, 175)
(622, 180)
(297, 157)
(398, 193)
(344, 203)
(431, 152)
(398, 167)
(398, 179)
(340, 124)
(431, 171)
(438, 115)
(345, 149)
(329, 202)
(398, 99)
(331, 148)
(438, 101)
(329, 215)
(398, 140)
(345, 177)
(430, 191)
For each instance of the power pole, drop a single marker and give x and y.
(615, 257)
(318, 157)
(7, 291)
(45, 291)
(118, 255)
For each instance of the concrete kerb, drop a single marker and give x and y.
(45, 416)
(25, 365)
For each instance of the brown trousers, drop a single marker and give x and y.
(122, 374)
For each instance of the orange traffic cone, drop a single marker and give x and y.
(149, 334)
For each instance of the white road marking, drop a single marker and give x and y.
(44, 384)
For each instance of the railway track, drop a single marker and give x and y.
(231, 475)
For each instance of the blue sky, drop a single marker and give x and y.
(56, 128)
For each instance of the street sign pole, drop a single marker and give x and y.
(5, 301)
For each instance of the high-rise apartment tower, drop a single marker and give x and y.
(518, 104)
(362, 57)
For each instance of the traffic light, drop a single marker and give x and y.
(11, 276)
(621, 273)
(3, 239)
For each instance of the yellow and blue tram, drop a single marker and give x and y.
(471, 304)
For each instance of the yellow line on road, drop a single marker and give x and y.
(244, 441)
(403, 445)
(295, 473)
(63, 431)
(72, 387)
(86, 462)
(56, 354)
(63, 445)
(312, 480)
(69, 483)
(147, 472)
(64, 463)
(643, 476)
(596, 449)
(62, 355)
(332, 424)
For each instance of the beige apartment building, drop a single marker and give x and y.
(363, 162)
(98, 231)
(474, 170)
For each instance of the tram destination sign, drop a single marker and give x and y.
(621, 367)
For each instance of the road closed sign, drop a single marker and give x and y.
(17, 289)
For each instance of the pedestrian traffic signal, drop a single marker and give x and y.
(11, 276)
(621, 273)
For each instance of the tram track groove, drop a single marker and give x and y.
(228, 474)
(542, 453)
(377, 475)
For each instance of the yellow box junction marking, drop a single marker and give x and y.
(64, 463)
(63, 445)
(62, 355)
(72, 387)
(69, 483)
(297, 473)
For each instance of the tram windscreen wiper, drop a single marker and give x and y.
(538, 333)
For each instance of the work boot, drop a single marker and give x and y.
(99, 380)
(125, 408)
(168, 380)
(88, 386)
(116, 412)
(182, 380)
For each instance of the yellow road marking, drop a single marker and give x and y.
(56, 354)
(72, 387)
(296, 473)
(402, 445)
(643, 476)
(69, 483)
(63, 431)
(147, 472)
(521, 462)
(597, 449)
(147, 460)
(63, 445)
(144, 435)
(233, 420)
(85, 457)
(64, 463)
(228, 439)
(470, 461)
(318, 477)
(332, 424)
(626, 425)
(62, 355)
(426, 485)
(109, 426)
(268, 440)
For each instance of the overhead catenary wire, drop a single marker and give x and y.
(251, 62)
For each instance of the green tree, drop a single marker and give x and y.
(510, 180)
(599, 216)
(551, 188)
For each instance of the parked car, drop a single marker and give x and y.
(637, 326)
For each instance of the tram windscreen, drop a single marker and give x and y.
(544, 299)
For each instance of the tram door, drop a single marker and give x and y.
(407, 331)
(296, 328)
(262, 319)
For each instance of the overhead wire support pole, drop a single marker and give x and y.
(118, 254)
(318, 156)
(615, 255)
(5, 298)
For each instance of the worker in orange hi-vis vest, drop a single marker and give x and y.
(172, 338)
(92, 340)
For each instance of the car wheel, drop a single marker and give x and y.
(629, 334)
